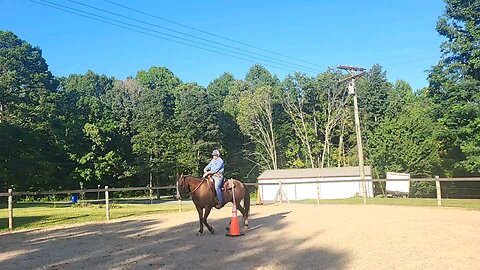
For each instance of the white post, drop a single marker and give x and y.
(10, 209)
(107, 206)
(179, 200)
(259, 198)
(439, 191)
(318, 192)
(279, 193)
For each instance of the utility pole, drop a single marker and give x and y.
(356, 72)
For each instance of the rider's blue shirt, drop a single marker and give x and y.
(215, 166)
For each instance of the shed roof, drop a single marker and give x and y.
(313, 173)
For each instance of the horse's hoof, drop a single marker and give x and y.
(227, 228)
(199, 233)
(212, 231)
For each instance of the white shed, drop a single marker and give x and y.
(394, 187)
(348, 184)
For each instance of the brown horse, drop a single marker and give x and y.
(203, 197)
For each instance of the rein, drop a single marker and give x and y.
(203, 179)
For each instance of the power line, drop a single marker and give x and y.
(290, 64)
(122, 24)
(150, 34)
(211, 34)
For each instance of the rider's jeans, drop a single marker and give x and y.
(218, 187)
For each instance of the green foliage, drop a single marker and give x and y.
(219, 89)
(25, 81)
(154, 138)
(405, 143)
(93, 121)
(373, 91)
(94, 129)
(158, 78)
(197, 126)
(454, 84)
(259, 75)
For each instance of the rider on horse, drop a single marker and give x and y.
(215, 169)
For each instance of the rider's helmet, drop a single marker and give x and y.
(216, 153)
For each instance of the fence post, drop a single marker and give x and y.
(151, 195)
(259, 197)
(10, 209)
(439, 191)
(107, 206)
(318, 192)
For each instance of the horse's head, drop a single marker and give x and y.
(183, 189)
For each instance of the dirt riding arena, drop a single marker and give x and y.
(279, 237)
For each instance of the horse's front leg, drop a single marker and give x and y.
(200, 218)
(207, 212)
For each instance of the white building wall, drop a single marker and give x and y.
(337, 190)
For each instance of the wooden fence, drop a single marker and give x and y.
(10, 194)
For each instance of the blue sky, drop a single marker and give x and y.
(399, 35)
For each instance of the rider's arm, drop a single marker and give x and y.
(208, 167)
(206, 170)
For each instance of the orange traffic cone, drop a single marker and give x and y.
(234, 226)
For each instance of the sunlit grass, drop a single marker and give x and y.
(38, 215)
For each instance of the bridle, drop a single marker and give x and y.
(181, 183)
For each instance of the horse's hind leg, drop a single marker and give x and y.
(244, 214)
(200, 218)
(207, 212)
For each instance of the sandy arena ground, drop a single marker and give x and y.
(279, 237)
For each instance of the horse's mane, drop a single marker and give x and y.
(191, 176)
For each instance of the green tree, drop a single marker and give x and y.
(219, 89)
(259, 75)
(454, 84)
(25, 81)
(237, 146)
(31, 154)
(399, 99)
(255, 119)
(95, 131)
(373, 90)
(197, 127)
(406, 142)
(154, 134)
(297, 91)
(158, 78)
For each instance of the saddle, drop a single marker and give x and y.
(227, 184)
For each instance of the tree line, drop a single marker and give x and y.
(58, 131)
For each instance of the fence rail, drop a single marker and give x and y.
(10, 194)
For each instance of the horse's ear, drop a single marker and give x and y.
(180, 178)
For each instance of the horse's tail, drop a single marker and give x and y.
(246, 200)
